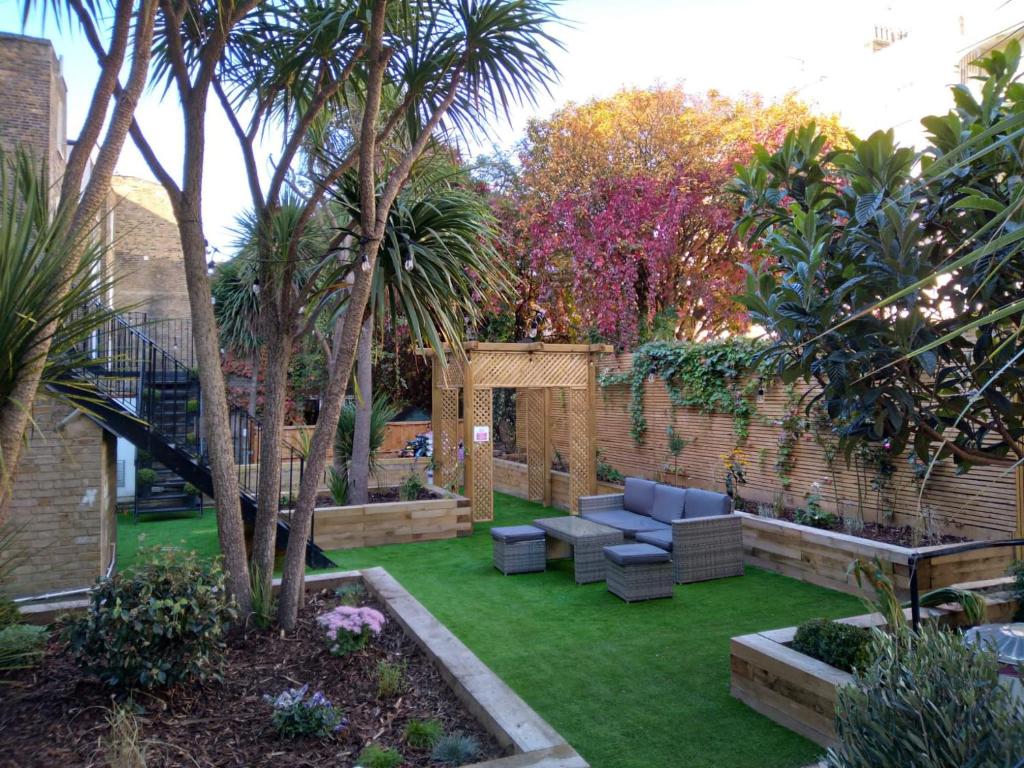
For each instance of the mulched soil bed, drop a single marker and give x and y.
(901, 536)
(379, 496)
(56, 716)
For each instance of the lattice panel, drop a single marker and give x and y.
(581, 461)
(483, 478)
(450, 376)
(534, 369)
(536, 448)
(446, 444)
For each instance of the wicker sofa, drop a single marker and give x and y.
(696, 526)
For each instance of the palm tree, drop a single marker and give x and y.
(436, 266)
(234, 290)
(41, 326)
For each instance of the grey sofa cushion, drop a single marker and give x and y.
(662, 538)
(638, 496)
(627, 522)
(700, 503)
(513, 534)
(635, 554)
(669, 503)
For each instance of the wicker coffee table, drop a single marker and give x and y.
(581, 540)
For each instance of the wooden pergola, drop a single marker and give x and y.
(536, 370)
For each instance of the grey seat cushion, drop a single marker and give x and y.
(638, 497)
(627, 522)
(700, 503)
(662, 539)
(513, 534)
(669, 503)
(635, 554)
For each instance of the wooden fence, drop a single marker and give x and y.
(980, 504)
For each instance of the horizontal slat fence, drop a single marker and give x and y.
(980, 504)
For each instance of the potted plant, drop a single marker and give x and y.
(144, 479)
(194, 494)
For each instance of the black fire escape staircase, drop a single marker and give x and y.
(134, 388)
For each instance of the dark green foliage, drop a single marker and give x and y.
(190, 490)
(423, 734)
(192, 406)
(843, 646)
(895, 285)
(161, 623)
(606, 473)
(381, 413)
(410, 488)
(297, 714)
(376, 756)
(337, 483)
(713, 377)
(145, 476)
(21, 645)
(812, 513)
(350, 594)
(455, 749)
(928, 701)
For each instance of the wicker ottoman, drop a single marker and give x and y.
(638, 572)
(518, 549)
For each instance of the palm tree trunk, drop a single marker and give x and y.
(254, 384)
(359, 490)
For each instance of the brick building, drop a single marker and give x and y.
(67, 485)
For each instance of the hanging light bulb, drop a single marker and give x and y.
(256, 287)
(350, 277)
(366, 264)
(410, 263)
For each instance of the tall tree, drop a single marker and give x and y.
(81, 198)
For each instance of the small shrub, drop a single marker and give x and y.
(843, 646)
(606, 473)
(423, 734)
(21, 645)
(376, 756)
(351, 594)
(295, 715)
(192, 406)
(337, 482)
(159, 624)
(349, 629)
(191, 490)
(410, 488)
(455, 749)
(812, 514)
(9, 613)
(390, 679)
(145, 477)
(928, 701)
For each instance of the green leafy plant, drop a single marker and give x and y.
(376, 756)
(295, 714)
(337, 483)
(9, 559)
(390, 679)
(145, 477)
(410, 488)
(351, 594)
(606, 473)
(793, 425)
(161, 623)
(812, 513)
(21, 645)
(928, 701)
(455, 749)
(844, 646)
(707, 376)
(676, 445)
(192, 406)
(887, 604)
(191, 490)
(262, 615)
(381, 413)
(423, 734)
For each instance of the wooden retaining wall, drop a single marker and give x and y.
(510, 477)
(824, 557)
(980, 504)
(397, 522)
(799, 692)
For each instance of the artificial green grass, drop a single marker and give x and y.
(629, 686)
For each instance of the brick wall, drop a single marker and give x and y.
(147, 258)
(63, 505)
(32, 99)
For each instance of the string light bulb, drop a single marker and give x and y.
(366, 263)
(256, 287)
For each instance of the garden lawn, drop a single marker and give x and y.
(629, 686)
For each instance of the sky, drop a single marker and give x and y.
(733, 46)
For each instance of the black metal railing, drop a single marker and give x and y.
(943, 551)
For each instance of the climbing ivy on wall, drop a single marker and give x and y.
(713, 377)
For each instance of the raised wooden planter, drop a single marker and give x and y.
(397, 522)
(824, 557)
(511, 477)
(799, 692)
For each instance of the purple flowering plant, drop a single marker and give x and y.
(297, 715)
(349, 628)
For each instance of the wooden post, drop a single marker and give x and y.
(467, 431)
(548, 452)
(592, 424)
